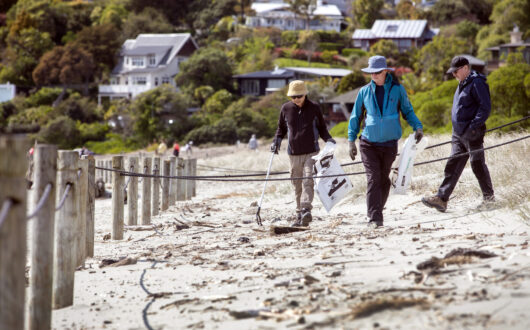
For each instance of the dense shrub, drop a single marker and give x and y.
(351, 51)
(92, 131)
(323, 46)
(44, 96)
(61, 131)
(340, 130)
(35, 116)
(289, 38)
(80, 108)
(113, 144)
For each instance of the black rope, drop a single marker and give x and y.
(201, 178)
(41, 202)
(65, 194)
(6, 207)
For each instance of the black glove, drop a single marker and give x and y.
(353, 149)
(418, 135)
(331, 140)
(275, 145)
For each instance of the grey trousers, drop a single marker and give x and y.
(302, 166)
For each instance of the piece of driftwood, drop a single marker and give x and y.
(457, 256)
(280, 230)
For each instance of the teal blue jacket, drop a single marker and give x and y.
(386, 126)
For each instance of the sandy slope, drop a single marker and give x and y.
(197, 277)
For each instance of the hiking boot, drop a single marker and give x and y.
(435, 202)
(304, 218)
(375, 224)
(488, 203)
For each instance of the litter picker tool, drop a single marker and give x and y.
(258, 218)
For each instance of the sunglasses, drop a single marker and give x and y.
(454, 72)
(377, 73)
(297, 96)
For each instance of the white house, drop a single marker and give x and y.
(277, 14)
(7, 92)
(147, 62)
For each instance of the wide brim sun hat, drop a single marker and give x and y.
(297, 87)
(376, 63)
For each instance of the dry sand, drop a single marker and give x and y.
(206, 264)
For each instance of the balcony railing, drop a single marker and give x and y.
(125, 90)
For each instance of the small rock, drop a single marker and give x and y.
(243, 239)
(258, 253)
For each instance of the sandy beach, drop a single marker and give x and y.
(206, 264)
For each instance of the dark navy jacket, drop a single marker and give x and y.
(471, 104)
(303, 126)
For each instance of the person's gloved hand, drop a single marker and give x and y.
(418, 135)
(331, 140)
(353, 149)
(275, 145)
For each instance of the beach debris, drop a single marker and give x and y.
(143, 228)
(106, 237)
(180, 302)
(457, 256)
(305, 280)
(243, 239)
(239, 315)
(371, 307)
(280, 230)
(117, 263)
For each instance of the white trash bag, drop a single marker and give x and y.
(402, 176)
(332, 189)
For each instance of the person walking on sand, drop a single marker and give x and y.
(253, 143)
(176, 149)
(162, 147)
(302, 121)
(471, 109)
(379, 104)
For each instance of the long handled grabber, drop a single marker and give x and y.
(258, 218)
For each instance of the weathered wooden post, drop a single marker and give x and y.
(194, 173)
(146, 193)
(181, 183)
(189, 183)
(39, 314)
(172, 182)
(105, 172)
(165, 186)
(13, 164)
(132, 193)
(91, 203)
(117, 198)
(64, 259)
(155, 206)
(81, 223)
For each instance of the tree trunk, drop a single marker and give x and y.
(59, 98)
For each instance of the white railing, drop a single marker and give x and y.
(132, 90)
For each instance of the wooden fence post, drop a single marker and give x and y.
(189, 183)
(90, 213)
(81, 223)
(194, 173)
(13, 164)
(132, 193)
(181, 183)
(155, 206)
(146, 193)
(117, 198)
(64, 260)
(172, 182)
(165, 186)
(41, 270)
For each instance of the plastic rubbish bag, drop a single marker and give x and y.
(401, 173)
(330, 190)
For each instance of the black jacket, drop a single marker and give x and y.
(302, 126)
(471, 104)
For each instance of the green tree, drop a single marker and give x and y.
(216, 104)
(149, 109)
(257, 55)
(304, 9)
(508, 92)
(61, 131)
(365, 12)
(149, 20)
(206, 67)
(406, 10)
(114, 13)
(386, 48)
(351, 81)
(308, 41)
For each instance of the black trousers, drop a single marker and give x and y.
(455, 166)
(377, 162)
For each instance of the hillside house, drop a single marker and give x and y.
(500, 53)
(405, 33)
(277, 14)
(147, 62)
(7, 92)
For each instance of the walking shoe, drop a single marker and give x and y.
(488, 203)
(304, 219)
(375, 224)
(436, 202)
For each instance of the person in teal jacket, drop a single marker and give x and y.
(379, 104)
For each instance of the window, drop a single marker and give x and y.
(139, 80)
(137, 61)
(275, 83)
(250, 87)
(152, 60)
(166, 80)
(391, 28)
(156, 81)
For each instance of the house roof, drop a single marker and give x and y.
(145, 43)
(145, 50)
(275, 74)
(394, 29)
(348, 97)
(323, 72)
(323, 10)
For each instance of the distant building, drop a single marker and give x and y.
(339, 108)
(264, 82)
(277, 14)
(500, 53)
(7, 92)
(147, 62)
(405, 33)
